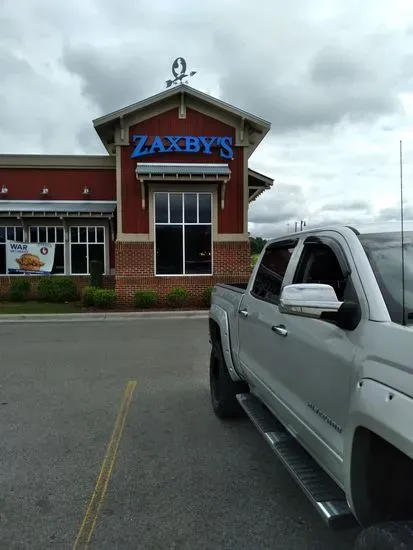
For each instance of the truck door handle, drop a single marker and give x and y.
(243, 312)
(280, 329)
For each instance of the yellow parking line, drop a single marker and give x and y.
(88, 524)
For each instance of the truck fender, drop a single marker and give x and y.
(383, 411)
(219, 315)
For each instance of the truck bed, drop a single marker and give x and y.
(236, 287)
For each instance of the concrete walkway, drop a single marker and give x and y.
(104, 316)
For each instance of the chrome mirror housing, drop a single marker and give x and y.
(309, 300)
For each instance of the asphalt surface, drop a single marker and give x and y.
(182, 479)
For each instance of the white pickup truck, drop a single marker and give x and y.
(317, 349)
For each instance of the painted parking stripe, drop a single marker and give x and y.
(88, 524)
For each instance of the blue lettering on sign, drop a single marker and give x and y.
(19, 247)
(182, 144)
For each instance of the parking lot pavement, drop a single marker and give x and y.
(181, 479)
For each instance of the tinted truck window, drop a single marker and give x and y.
(384, 253)
(270, 275)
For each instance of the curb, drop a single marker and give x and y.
(95, 317)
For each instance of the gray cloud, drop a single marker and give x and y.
(326, 75)
(347, 205)
(108, 76)
(393, 213)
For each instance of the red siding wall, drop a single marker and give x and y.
(134, 220)
(63, 184)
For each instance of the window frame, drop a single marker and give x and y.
(292, 264)
(66, 226)
(87, 243)
(182, 225)
(341, 257)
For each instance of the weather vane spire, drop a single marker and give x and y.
(179, 72)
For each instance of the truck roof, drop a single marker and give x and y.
(361, 229)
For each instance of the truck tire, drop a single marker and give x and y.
(392, 535)
(223, 388)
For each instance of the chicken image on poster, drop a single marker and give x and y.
(29, 258)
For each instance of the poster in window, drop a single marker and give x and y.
(29, 258)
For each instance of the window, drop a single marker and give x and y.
(14, 233)
(46, 234)
(319, 264)
(183, 233)
(270, 275)
(384, 253)
(86, 244)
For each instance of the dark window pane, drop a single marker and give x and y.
(82, 234)
(161, 207)
(78, 258)
(169, 250)
(59, 259)
(2, 258)
(268, 281)
(19, 234)
(175, 207)
(100, 235)
(74, 234)
(198, 250)
(204, 208)
(91, 234)
(2, 234)
(10, 233)
(33, 235)
(59, 234)
(97, 252)
(42, 235)
(51, 236)
(190, 208)
(319, 264)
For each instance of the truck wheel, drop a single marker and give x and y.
(392, 535)
(223, 388)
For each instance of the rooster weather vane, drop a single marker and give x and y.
(179, 72)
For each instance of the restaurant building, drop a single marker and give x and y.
(166, 207)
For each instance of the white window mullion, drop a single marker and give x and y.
(169, 208)
(183, 249)
(197, 208)
(183, 234)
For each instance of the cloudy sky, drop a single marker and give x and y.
(334, 77)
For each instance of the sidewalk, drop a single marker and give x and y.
(104, 316)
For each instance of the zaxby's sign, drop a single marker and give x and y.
(151, 145)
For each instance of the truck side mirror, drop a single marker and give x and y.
(319, 301)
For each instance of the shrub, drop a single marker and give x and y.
(56, 289)
(206, 296)
(146, 298)
(177, 297)
(19, 290)
(96, 274)
(88, 296)
(104, 299)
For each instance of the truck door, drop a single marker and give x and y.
(260, 354)
(319, 356)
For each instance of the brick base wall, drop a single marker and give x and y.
(135, 271)
(81, 282)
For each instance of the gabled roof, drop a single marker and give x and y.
(176, 91)
(104, 124)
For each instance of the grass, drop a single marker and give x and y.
(8, 308)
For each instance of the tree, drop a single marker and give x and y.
(257, 244)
